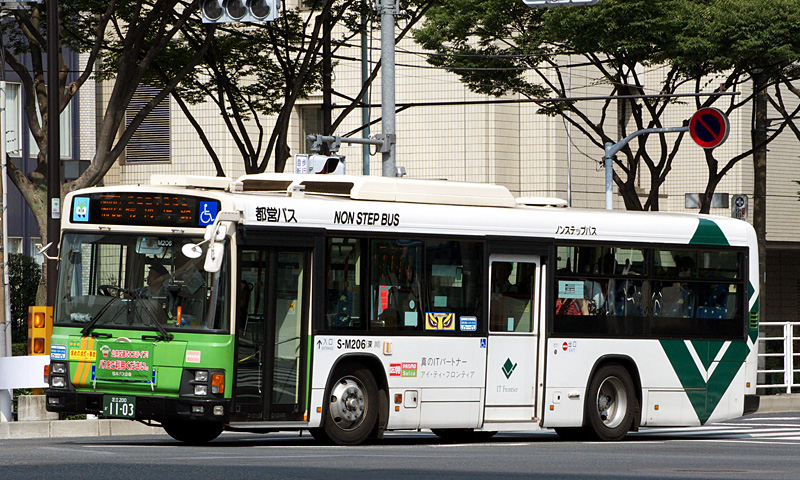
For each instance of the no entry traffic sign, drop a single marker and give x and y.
(709, 127)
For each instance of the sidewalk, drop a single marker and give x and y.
(105, 427)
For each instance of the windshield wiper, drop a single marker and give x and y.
(88, 328)
(164, 334)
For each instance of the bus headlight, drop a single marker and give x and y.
(55, 375)
(201, 389)
(201, 376)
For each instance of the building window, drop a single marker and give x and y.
(13, 119)
(64, 130)
(151, 141)
(718, 200)
(14, 245)
(310, 124)
(37, 257)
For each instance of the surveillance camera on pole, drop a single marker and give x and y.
(319, 164)
(227, 11)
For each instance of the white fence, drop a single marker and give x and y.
(778, 357)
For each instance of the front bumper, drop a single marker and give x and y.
(147, 407)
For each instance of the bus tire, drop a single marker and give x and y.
(319, 435)
(352, 407)
(610, 403)
(192, 433)
(465, 435)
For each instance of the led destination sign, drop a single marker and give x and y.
(149, 209)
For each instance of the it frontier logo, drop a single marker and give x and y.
(508, 368)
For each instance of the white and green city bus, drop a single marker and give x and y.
(350, 306)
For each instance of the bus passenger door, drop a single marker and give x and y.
(515, 300)
(272, 320)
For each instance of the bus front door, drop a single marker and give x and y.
(272, 320)
(515, 300)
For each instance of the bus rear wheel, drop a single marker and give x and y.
(352, 409)
(192, 433)
(610, 403)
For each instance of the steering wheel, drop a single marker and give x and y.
(110, 290)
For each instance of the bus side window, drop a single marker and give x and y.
(343, 284)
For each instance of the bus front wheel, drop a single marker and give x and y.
(352, 408)
(610, 403)
(192, 433)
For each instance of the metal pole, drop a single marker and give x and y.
(53, 146)
(611, 149)
(6, 398)
(388, 11)
(609, 164)
(365, 99)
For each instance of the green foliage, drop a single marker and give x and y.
(24, 274)
(19, 349)
(746, 35)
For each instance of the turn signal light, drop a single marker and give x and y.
(217, 383)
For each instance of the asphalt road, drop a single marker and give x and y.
(763, 446)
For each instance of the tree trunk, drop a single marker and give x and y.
(759, 141)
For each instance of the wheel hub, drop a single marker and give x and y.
(612, 402)
(348, 403)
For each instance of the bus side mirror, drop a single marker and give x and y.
(214, 257)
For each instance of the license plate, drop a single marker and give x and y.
(119, 406)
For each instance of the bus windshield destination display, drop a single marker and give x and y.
(149, 209)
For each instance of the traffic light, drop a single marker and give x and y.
(226, 11)
(40, 328)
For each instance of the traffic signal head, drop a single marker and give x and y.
(226, 11)
(40, 328)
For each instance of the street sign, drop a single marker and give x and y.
(557, 3)
(739, 207)
(709, 127)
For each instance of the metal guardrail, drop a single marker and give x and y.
(778, 357)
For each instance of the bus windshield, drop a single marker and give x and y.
(133, 281)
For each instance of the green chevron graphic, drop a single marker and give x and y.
(706, 383)
(704, 380)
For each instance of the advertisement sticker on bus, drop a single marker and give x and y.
(468, 324)
(440, 321)
(58, 352)
(125, 362)
(80, 209)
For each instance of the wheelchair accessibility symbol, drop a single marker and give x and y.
(208, 213)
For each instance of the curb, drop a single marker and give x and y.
(785, 402)
(74, 428)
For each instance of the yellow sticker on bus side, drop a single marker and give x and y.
(83, 355)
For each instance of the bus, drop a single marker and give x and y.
(349, 306)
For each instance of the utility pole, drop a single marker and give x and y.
(365, 99)
(53, 147)
(388, 10)
(5, 325)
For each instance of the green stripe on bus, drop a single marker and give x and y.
(708, 233)
(308, 373)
